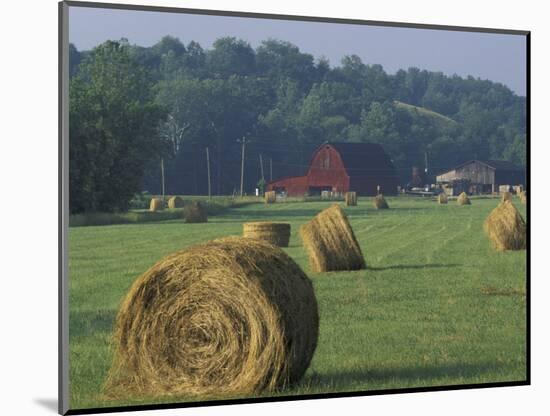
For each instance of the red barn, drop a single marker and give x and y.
(343, 167)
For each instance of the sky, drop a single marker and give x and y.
(497, 57)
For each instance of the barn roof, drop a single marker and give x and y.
(362, 158)
(501, 165)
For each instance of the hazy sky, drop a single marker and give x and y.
(499, 58)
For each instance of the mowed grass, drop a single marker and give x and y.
(436, 306)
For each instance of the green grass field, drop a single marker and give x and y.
(436, 306)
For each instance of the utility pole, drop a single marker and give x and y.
(243, 143)
(208, 168)
(162, 174)
(262, 167)
(426, 162)
(271, 169)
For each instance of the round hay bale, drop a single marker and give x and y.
(506, 228)
(442, 198)
(350, 198)
(157, 204)
(463, 199)
(379, 202)
(506, 196)
(195, 212)
(230, 317)
(175, 202)
(276, 233)
(331, 243)
(523, 197)
(270, 197)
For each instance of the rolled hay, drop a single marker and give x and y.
(442, 198)
(157, 204)
(506, 228)
(270, 197)
(230, 317)
(175, 202)
(506, 196)
(195, 212)
(523, 197)
(350, 198)
(330, 242)
(276, 233)
(379, 202)
(463, 199)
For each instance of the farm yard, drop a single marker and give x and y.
(436, 306)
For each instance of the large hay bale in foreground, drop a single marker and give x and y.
(463, 199)
(230, 317)
(523, 197)
(157, 204)
(330, 242)
(270, 197)
(442, 198)
(506, 228)
(195, 212)
(276, 233)
(175, 202)
(350, 198)
(506, 196)
(379, 202)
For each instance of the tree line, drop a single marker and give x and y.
(133, 106)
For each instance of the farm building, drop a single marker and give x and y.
(341, 167)
(477, 176)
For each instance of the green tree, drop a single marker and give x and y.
(113, 129)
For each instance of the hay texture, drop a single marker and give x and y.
(270, 197)
(330, 242)
(350, 198)
(379, 202)
(276, 233)
(232, 316)
(506, 196)
(157, 204)
(442, 198)
(506, 228)
(463, 199)
(523, 197)
(175, 202)
(195, 212)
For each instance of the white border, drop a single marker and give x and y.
(28, 223)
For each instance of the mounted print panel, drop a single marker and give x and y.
(264, 208)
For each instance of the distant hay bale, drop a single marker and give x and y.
(229, 317)
(442, 198)
(523, 197)
(270, 197)
(463, 199)
(195, 212)
(156, 204)
(175, 202)
(518, 189)
(506, 228)
(379, 202)
(506, 196)
(350, 198)
(503, 188)
(330, 242)
(276, 233)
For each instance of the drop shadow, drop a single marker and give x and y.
(413, 266)
(48, 404)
